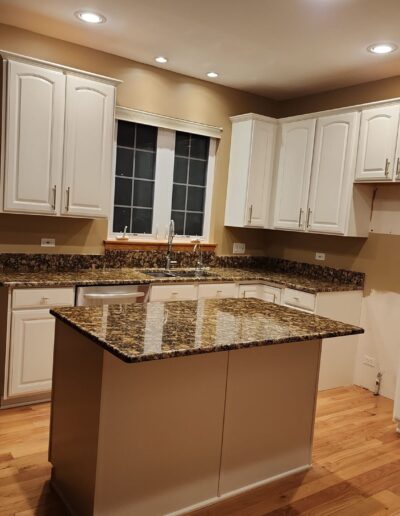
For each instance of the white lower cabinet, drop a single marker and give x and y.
(32, 344)
(32, 339)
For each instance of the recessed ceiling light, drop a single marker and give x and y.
(90, 17)
(382, 48)
(161, 59)
(212, 75)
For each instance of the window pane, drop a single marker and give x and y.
(145, 163)
(142, 220)
(195, 199)
(194, 224)
(126, 134)
(124, 166)
(146, 137)
(182, 144)
(179, 218)
(143, 194)
(179, 197)
(122, 218)
(199, 146)
(181, 170)
(197, 172)
(123, 191)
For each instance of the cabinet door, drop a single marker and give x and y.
(249, 291)
(378, 133)
(260, 173)
(332, 173)
(88, 147)
(31, 359)
(294, 172)
(34, 138)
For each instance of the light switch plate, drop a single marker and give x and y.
(239, 248)
(320, 256)
(48, 242)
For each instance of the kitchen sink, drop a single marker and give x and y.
(179, 274)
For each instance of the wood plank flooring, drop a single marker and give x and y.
(356, 468)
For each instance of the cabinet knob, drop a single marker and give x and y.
(300, 216)
(398, 169)
(250, 213)
(54, 197)
(308, 217)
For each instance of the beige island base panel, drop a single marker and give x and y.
(167, 435)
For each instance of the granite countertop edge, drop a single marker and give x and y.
(228, 275)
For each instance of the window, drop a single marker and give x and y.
(162, 174)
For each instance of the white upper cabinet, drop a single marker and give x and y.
(34, 142)
(250, 171)
(88, 147)
(57, 139)
(332, 173)
(294, 172)
(377, 144)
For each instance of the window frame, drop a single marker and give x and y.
(164, 171)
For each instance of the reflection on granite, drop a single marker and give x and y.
(153, 331)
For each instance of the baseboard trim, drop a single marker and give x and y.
(239, 491)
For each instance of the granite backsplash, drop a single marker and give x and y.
(21, 262)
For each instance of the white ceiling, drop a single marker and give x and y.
(276, 48)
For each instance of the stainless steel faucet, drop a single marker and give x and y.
(199, 262)
(171, 234)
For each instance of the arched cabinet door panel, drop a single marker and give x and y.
(88, 147)
(34, 138)
(332, 173)
(377, 145)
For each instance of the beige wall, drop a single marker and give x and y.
(147, 88)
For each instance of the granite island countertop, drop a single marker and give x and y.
(154, 331)
(129, 276)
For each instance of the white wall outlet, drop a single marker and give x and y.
(369, 361)
(239, 248)
(320, 256)
(48, 242)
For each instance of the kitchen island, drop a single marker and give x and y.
(160, 408)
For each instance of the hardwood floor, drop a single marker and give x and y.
(356, 468)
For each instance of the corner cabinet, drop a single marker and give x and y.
(57, 138)
(314, 189)
(378, 159)
(250, 171)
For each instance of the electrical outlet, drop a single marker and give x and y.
(320, 256)
(239, 248)
(369, 361)
(48, 242)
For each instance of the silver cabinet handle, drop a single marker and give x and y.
(398, 169)
(68, 194)
(387, 165)
(300, 216)
(308, 217)
(54, 197)
(250, 213)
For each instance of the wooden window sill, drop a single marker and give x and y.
(155, 245)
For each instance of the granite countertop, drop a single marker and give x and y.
(126, 276)
(154, 331)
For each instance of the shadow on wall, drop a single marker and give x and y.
(22, 233)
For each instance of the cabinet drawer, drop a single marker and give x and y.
(173, 292)
(40, 297)
(215, 290)
(298, 299)
(271, 294)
